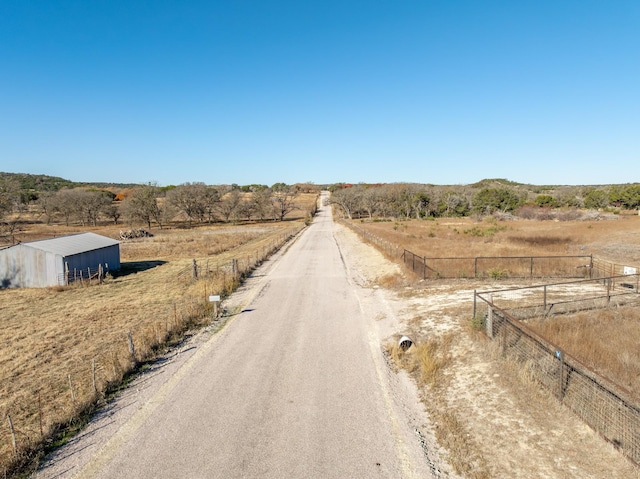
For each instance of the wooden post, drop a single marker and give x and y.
(13, 436)
(132, 349)
(195, 269)
(545, 298)
(531, 268)
(93, 376)
(73, 395)
(40, 415)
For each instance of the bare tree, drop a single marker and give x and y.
(189, 198)
(142, 205)
(47, 205)
(210, 201)
(113, 212)
(263, 207)
(229, 204)
(11, 206)
(94, 204)
(66, 203)
(283, 198)
(370, 201)
(348, 199)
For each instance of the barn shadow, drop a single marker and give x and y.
(133, 267)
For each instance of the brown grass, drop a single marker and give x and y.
(427, 361)
(614, 240)
(54, 334)
(605, 340)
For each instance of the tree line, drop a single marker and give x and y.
(408, 200)
(190, 203)
(54, 199)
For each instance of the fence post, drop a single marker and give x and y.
(560, 356)
(132, 349)
(531, 269)
(73, 395)
(545, 298)
(475, 267)
(93, 376)
(489, 324)
(195, 269)
(475, 298)
(13, 436)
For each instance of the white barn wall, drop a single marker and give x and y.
(42, 263)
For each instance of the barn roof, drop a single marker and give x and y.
(72, 244)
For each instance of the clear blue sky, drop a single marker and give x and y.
(238, 91)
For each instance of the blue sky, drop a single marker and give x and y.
(238, 91)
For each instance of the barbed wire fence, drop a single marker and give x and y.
(33, 420)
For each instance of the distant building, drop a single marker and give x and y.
(58, 261)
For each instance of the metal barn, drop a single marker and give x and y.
(58, 261)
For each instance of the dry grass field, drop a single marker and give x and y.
(490, 415)
(605, 340)
(616, 240)
(65, 348)
(57, 340)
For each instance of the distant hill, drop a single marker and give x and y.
(40, 183)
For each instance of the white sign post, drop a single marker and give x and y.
(215, 300)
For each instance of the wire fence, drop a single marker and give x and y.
(605, 406)
(90, 275)
(387, 247)
(212, 267)
(69, 392)
(499, 267)
(562, 298)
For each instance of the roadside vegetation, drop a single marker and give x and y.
(487, 197)
(69, 348)
(605, 339)
(30, 199)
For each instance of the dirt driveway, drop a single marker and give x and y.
(513, 429)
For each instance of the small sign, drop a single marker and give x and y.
(213, 299)
(630, 270)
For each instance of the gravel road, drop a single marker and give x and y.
(294, 386)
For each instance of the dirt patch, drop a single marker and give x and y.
(518, 430)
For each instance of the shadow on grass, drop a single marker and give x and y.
(133, 267)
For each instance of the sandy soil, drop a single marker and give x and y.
(519, 430)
